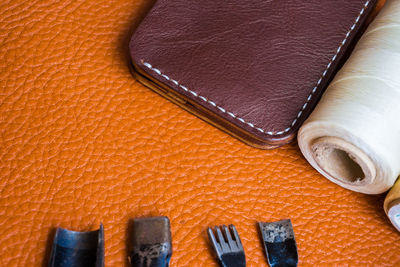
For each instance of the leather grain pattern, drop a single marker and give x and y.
(259, 65)
(82, 143)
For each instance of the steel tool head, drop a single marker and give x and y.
(151, 242)
(78, 249)
(227, 246)
(279, 243)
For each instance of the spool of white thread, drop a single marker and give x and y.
(353, 135)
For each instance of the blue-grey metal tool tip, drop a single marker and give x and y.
(78, 249)
(279, 243)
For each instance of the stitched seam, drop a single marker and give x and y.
(163, 75)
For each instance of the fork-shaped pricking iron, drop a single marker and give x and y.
(227, 245)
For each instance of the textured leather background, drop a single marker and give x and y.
(82, 143)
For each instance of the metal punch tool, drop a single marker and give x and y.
(151, 242)
(227, 246)
(78, 249)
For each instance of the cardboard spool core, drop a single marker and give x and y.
(343, 161)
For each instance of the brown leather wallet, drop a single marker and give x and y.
(254, 69)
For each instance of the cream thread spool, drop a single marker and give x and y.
(353, 135)
(392, 205)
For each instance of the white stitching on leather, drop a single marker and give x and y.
(148, 65)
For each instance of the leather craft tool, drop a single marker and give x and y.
(78, 249)
(151, 242)
(352, 137)
(254, 69)
(227, 246)
(279, 243)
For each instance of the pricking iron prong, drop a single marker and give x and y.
(151, 242)
(78, 249)
(227, 246)
(279, 243)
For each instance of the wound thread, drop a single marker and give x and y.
(353, 135)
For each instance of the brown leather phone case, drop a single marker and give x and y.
(252, 68)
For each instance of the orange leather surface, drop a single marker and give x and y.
(82, 143)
